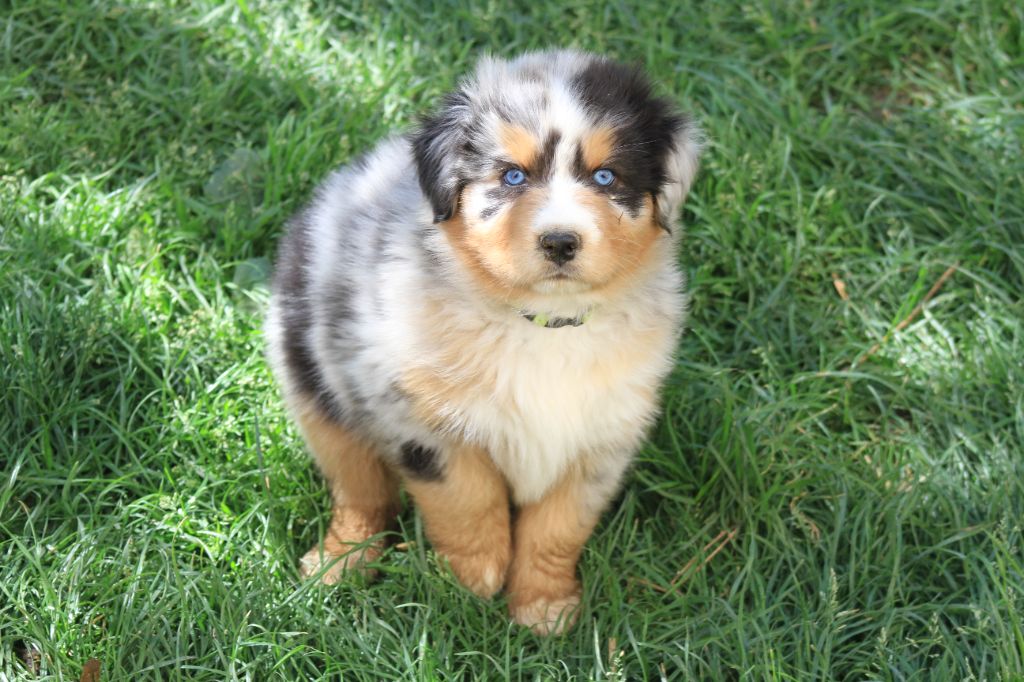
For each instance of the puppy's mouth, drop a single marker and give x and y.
(563, 275)
(566, 272)
(561, 280)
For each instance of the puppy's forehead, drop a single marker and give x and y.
(532, 97)
(567, 114)
(525, 120)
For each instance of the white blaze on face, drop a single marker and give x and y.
(562, 211)
(565, 115)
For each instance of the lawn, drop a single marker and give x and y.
(835, 489)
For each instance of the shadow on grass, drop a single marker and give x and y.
(135, 373)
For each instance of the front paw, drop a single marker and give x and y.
(549, 613)
(482, 573)
(331, 563)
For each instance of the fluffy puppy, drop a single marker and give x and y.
(483, 311)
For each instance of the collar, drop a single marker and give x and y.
(543, 320)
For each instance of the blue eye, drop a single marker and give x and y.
(604, 177)
(513, 177)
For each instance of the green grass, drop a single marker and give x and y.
(154, 499)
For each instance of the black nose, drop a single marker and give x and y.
(560, 247)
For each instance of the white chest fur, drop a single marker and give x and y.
(539, 399)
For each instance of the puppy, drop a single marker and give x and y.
(482, 311)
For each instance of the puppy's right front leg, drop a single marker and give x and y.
(364, 493)
(466, 513)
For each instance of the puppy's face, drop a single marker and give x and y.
(556, 174)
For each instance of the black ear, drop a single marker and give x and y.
(436, 146)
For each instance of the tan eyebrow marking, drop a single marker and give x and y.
(520, 146)
(597, 147)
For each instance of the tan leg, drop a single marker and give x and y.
(543, 592)
(467, 519)
(364, 493)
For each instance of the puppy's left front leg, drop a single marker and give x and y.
(466, 515)
(543, 592)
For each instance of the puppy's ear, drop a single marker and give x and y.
(681, 165)
(436, 147)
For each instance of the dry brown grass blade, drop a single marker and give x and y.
(647, 583)
(718, 543)
(911, 317)
(90, 671)
(722, 539)
(840, 286)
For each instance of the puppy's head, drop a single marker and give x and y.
(556, 173)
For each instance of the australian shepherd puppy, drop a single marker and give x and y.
(482, 312)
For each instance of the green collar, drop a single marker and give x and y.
(542, 320)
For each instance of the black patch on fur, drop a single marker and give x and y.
(429, 257)
(499, 196)
(645, 129)
(543, 164)
(436, 147)
(290, 282)
(490, 211)
(420, 461)
(339, 303)
(579, 166)
(504, 193)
